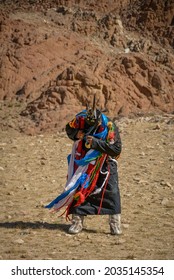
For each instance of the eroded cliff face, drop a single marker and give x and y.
(56, 54)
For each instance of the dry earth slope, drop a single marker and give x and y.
(33, 171)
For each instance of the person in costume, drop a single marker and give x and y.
(92, 181)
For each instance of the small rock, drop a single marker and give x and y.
(19, 241)
(143, 182)
(23, 257)
(10, 193)
(127, 50)
(15, 147)
(164, 201)
(140, 205)
(168, 185)
(136, 179)
(68, 235)
(128, 194)
(9, 217)
(120, 241)
(131, 257)
(157, 127)
(42, 204)
(125, 226)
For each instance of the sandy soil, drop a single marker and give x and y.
(33, 172)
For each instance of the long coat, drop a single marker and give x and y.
(110, 196)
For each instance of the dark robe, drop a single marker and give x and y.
(111, 203)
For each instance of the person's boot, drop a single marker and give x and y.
(115, 224)
(77, 224)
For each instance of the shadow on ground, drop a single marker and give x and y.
(34, 225)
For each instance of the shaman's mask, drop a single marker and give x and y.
(93, 115)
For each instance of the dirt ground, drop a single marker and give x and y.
(33, 172)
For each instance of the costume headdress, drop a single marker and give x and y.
(93, 115)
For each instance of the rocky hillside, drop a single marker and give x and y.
(56, 54)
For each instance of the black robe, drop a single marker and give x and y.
(111, 203)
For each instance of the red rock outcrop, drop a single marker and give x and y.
(56, 54)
